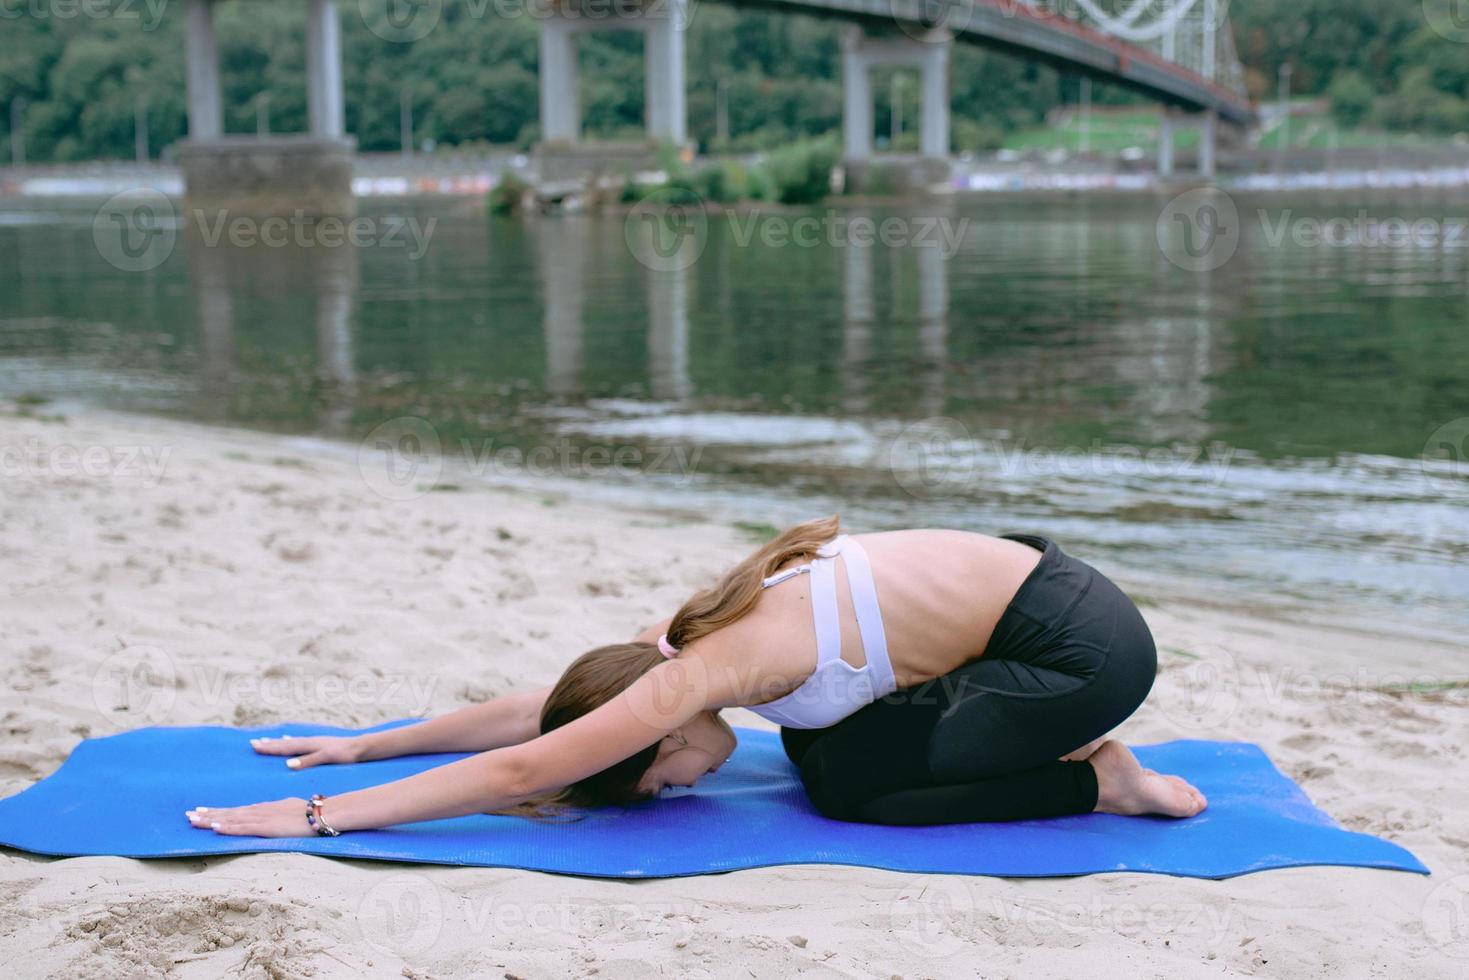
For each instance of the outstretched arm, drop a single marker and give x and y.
(507, 720)
(666, 697)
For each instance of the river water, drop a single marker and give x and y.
(1269, 395)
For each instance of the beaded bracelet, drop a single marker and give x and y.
(316, 820)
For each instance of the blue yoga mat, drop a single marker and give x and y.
(126, 794)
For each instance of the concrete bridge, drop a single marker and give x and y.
(1178, 52)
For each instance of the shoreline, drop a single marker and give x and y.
(683, 502)
(1147, 589)
(270, 575)
(968, 182)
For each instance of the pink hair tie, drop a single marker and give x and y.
(667, 649)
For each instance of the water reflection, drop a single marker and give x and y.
(933, 328)
(1057, 326)
(859, 312)
(562, 261)
(668, 326)
(209, 275)
(334, 274)
(223, 274)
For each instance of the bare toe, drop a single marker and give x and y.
(1125, 787)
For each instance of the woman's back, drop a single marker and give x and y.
(940, 593)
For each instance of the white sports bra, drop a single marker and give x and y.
(835, 688)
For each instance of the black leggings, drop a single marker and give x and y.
(1069, 660)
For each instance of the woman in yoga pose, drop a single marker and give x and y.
(919, 677)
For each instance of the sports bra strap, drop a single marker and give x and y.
(817, 702)
(824, 610)
(780, 577)
(822, 570)
(864, 604)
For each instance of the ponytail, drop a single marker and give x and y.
(736, 593)
(602, 674)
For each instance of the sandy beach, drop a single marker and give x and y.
(268, 580)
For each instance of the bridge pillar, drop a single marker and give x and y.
(324, 70)
(933, 134)
(560, 104)
(861, 53)
(663, 75)
(201, 53)
(1166, 127)
(856, 97)
(267, 176)
(1208, 123)
(1208, 143)
(663, 26)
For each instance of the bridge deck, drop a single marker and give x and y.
(1015, 27)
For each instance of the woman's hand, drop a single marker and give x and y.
(310, 750)
(282, 818)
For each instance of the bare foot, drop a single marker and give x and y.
(1085, 752)
(1125, 787)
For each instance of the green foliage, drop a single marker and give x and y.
(977, 137)
(632, 191)
(1352, 97)
(879, 181)
(670, 160)
(505, 197)
(758, 185)
(722, 182)
(1419, 106)
(801, 172)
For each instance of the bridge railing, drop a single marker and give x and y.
(1194, 34)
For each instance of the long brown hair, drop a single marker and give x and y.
(736, 593)
(599, 675)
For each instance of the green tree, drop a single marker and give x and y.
(1352, 97)
(1419, 106)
